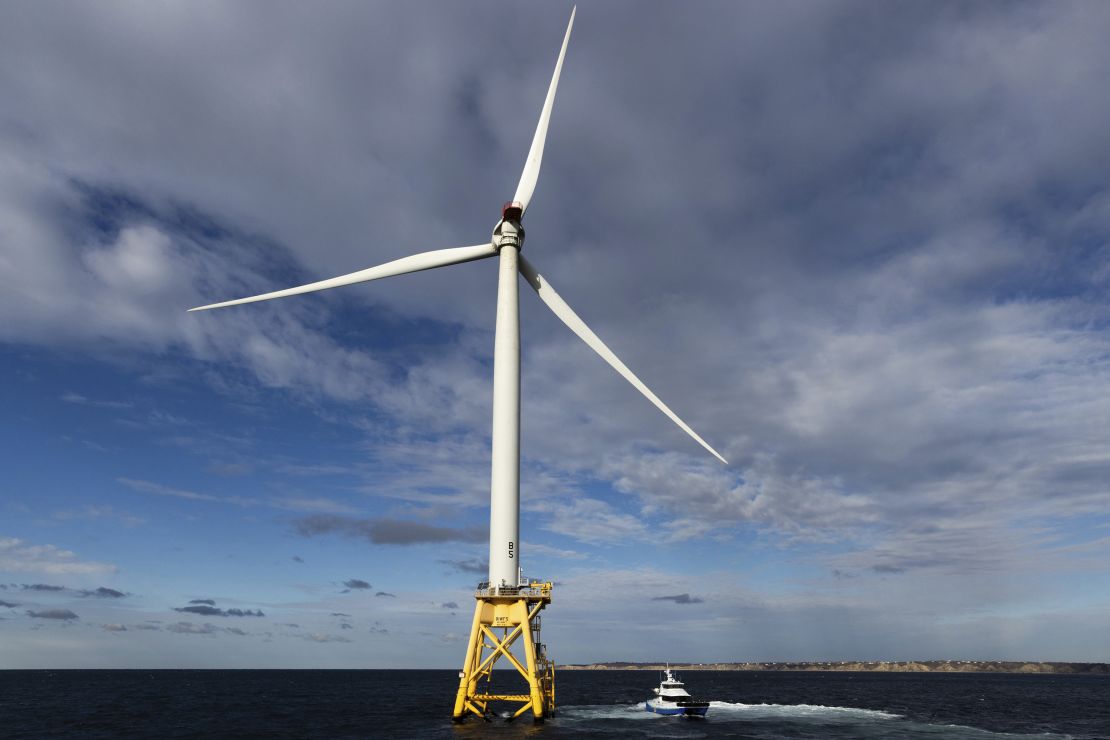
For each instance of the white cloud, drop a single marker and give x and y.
(82, 400)
(17, 556)
(140, 261)
(315, 504)
(144, 486)
(547, 551)
(589, 520)
(102, 512)
(325, 637)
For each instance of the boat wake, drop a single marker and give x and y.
(586, 712)
(783, 720)
(800, 711)
(732, 711)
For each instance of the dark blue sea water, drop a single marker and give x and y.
(387, 704)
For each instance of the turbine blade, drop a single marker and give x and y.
(414, 263)
(531, 173)
(548, 295)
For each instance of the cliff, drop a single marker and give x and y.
(908, 666)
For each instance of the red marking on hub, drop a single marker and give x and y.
(512, 211)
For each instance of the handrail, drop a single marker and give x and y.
(535, 589)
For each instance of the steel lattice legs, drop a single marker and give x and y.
(516, 617)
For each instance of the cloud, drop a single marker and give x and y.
(298, 559)
(201, 609)
(116, 262)
(285, 504)
(386, 593)
(469, 565)
(211, 611)
(317, 504)
(63, 614)
(339, 614)
(385, 531)
(555, 552)
(103, 592)
(356, 583)
(679, 599)
(188, 628)
(209, 602)
(346, 626)
(18, 557)
(590, 520)
(144, 486)
(231, 469)
(449, 605)
(244, 613)
(324, 637)
(97, 513)
(78, 399)
(9, 604)
(113, 627)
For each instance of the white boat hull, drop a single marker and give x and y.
(697, 708)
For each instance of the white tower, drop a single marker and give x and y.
(504, 503)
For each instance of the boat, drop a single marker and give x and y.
(671, 698)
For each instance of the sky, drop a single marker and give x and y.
(860, 247)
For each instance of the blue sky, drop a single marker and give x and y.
(860, 247)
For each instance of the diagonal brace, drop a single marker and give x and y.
(503, 648)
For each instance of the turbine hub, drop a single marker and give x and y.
(509, 232)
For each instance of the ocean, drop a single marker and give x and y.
(417, 704)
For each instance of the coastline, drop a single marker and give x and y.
(873, 666)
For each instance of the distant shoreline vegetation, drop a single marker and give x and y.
(873, 666)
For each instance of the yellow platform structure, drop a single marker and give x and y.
(504, 617)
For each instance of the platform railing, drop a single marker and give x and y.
(535, 589)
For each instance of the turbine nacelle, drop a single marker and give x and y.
(512, 211)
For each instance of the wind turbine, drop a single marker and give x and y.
(504, 602)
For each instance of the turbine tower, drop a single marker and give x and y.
(505, 602)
